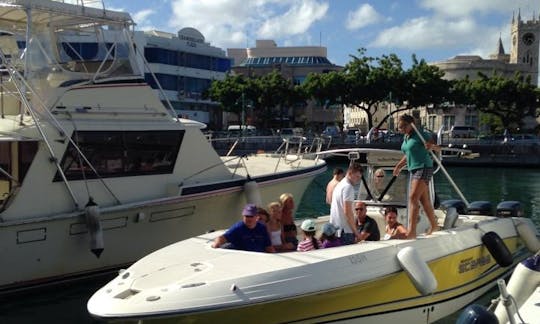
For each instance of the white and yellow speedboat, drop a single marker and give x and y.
(409, 281)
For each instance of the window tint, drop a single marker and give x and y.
(121, 154)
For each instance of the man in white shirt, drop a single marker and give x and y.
(341, 208)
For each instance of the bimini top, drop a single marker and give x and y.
(58, 13)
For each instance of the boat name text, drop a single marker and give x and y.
(471, 264)
(357, 258)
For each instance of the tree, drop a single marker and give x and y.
(370, 81)
(228, 92)
(510, 99)
(325, 88)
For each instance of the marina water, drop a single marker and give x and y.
(67, 303)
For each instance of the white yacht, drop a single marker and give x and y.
(95, 172)
(387, 281)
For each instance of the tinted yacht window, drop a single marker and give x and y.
(121, 153)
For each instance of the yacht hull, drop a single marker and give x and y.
(56, 248)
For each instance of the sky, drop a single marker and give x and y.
(433, 30)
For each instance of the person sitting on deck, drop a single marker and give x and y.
(394, 230)
(287, 218)
(275, 228)
(247, 234)
(310, 242)
(328, 236)
(365, 225)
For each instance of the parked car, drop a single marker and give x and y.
(462, 131)
(352, 136)
(524, 139)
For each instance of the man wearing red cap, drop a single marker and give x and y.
(247, 234)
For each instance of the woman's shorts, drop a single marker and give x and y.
(422, 174)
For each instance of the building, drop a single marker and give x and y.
(185, 65)
(523, 58)
(294, 63)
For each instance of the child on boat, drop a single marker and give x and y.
(328, 236)
(310, 242)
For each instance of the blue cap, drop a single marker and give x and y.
(249, 210)
(328, 229)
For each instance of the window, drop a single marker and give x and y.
(448, 121)
(121, 153)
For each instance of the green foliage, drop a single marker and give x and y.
(510, 99)
(367, 81)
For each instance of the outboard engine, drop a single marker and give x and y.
(456, 203)
(480, 207)
(477, 314)
(509, 208)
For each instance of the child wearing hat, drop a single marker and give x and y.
(328, 236)
(310, 242)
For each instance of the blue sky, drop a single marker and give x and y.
(432, 29)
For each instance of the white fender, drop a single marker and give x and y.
(528, 234)
(253, 195)
(524, 281)
(417, 270)
(94, 228)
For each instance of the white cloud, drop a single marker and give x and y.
(459, 8)
(297, 20)
(231, 23)
(142, 16)
(452, 35)
(363, 16)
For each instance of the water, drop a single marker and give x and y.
(67, 303)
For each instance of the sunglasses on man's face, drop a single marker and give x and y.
(357, 209)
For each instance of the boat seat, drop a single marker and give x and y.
(381, 222)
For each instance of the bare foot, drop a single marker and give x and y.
(411, 236)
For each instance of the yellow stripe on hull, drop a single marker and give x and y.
(458, 274)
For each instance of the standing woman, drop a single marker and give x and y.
(420, 165)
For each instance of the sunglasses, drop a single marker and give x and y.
(357, 209)
(380, 176)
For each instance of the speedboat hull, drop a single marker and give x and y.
(363, 282)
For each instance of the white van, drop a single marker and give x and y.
(247, 130)
(462, 131)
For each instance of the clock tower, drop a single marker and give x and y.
(525, 44)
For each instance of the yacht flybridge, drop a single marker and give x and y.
(95, 172)
(387, 281)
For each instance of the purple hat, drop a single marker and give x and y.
(249, 210)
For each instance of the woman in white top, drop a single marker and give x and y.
(275, 227)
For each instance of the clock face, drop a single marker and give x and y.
(528, 38)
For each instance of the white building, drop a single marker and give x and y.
(185, 65)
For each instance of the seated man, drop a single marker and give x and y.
(247, 234)
(365, 225)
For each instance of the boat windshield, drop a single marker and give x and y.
(379, 179)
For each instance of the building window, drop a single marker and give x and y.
(471, 120)
(448, 121)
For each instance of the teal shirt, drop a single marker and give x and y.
(417, 155)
